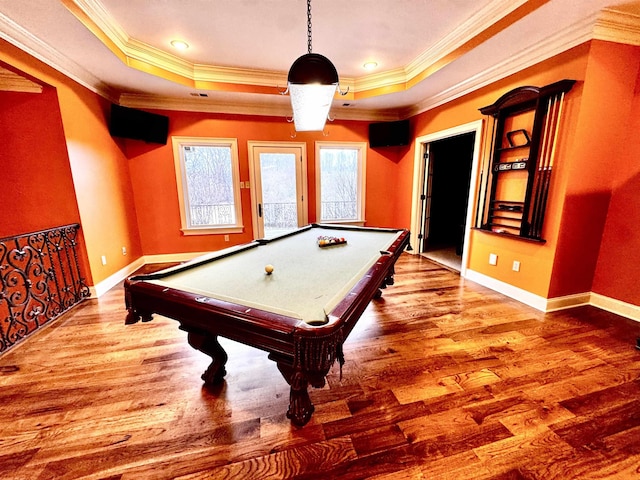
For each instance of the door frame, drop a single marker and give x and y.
(426, 192)
(253, 175)
(419, 168)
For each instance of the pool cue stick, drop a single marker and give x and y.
(538, 176)
(545, 172)
(560, 103)
(485, 171)
(488, 171)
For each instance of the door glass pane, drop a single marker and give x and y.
(339, 184)
(279, 200)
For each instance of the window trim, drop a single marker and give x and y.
(181, 183)
(361, 148)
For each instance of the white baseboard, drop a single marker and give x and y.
(528, 298)
(172, 257)
(108, 283)
(568, 301)
(618, 307)
(609, 304)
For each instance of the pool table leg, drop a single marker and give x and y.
(208, 344)
(300, 406)
(390, 276)
(388, 280)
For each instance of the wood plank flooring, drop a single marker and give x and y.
(443, 379)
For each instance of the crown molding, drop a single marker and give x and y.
(379, 80)
(617, 26)
(244, 108)
(203, 105)
(25, 41)
(609, 25)
(12, 82)
(146, 58)
(467, 31)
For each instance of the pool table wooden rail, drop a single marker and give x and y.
(304, 353)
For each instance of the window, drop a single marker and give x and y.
(340, 173)
(208, 185)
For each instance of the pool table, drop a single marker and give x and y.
(300, 314)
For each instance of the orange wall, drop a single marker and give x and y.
(536, 259)
(155, 189)
(99, 169)
(616, 273)
(600, 151)
(101, 175)
(36, 184)
(126, 193)
(592, 242)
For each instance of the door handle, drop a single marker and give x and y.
(260, 210)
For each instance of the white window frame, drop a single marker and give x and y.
(361, 148)
(183, 198)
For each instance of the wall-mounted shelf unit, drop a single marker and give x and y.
(516, 186)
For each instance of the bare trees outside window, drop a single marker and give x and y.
(208, 181)
(209, 178)
(341, 174)
(278, 171)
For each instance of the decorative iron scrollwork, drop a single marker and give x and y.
(40, 279)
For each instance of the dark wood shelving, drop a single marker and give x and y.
(510, 235)
(500, 217)
(505, 149)
(525, 119)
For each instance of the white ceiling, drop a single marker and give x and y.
(252, 43)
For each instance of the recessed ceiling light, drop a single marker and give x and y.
(179, 44)
(370, 65)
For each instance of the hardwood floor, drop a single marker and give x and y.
(443, 379)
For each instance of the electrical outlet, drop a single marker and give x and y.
(104, 259)
(516, 266)
(493, 259)
(226, 238)
(124, 250)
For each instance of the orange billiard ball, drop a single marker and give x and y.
(268, 269)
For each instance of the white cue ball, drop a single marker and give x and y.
(268, 269)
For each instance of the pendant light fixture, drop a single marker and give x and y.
(312, 83)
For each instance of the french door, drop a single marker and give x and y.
(425, 199)
(278, 176)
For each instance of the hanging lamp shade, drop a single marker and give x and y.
(313, 68)
(312, 83)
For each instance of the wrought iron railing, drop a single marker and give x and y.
(219, 214)
(338, 210)
(276, 215)
(40, 279)
(280, 215)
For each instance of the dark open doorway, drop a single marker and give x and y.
(448, 175)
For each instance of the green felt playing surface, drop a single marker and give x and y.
(307, 281)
